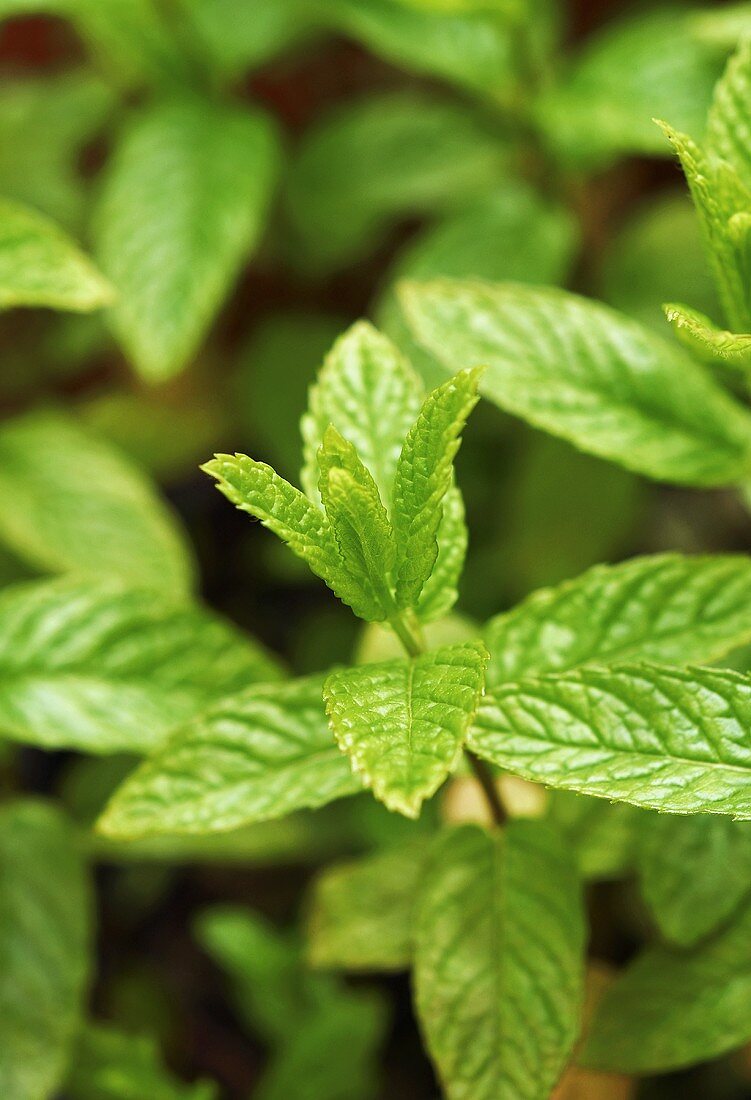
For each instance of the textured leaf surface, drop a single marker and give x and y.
(581, 371)
(498, 968)
(115, 1065)
(182, 205)
(255, 488)
(101, 668)
(70, 503)
(369, 392)
(403, 722)
(423, 477)
(704, 338)
(41, 266)
(670, 1009)
(44, 941)
(694, 872)
(729, 123)
(664, 607)
(441, 590)
(666, 738)
(376, 161)
(257, 755)
(361, 913)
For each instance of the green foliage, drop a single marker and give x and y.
(44, 947)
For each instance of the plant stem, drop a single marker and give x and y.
(407, 635)
(485, 778)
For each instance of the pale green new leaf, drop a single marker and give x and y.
(95, 666)
(41, 266)
(667, 608)
(705, 339)
(423, 477)
(110, 1064)
(670, 1009)
(360, 523)
(370, 393)
(499, 961)
(182, 206)
(694, 872)
(583, 372)
(403, 723)
(665, 738)
(255, 488)
(44, 947)
(729, 123)
(373, 162)
(70, 503)
(441, 589)
(259, 754)
(361, 913)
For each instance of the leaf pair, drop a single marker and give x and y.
(384, 531)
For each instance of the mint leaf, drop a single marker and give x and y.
(705, 339)
(666, 738)
(604, 836)
(44, 947)
(583, 372)
(499, 961)
(236, 38)
(41, 266)
(669, 1009)
(716, 851)
(102, 668)
(423, 477)
(361, 912)
(110, 1064)
(403, 722)
(369, 392)
(441, 590)
(359, 520)
(730, 116)
(370, 163)
(259, 754)
(182, 206)
(58, 516)
(664, 607)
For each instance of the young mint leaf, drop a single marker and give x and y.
(41, 266)
(705, 339)
(499, 961)
(403, 722)
(44, 947)
(441, 590)
(182, 206)
(669, 1009)
(255, 488)
(583, 372)
(70, 503)
(666, 738)
(101, 668)
(663, 607)
(259, 754)
(370, 393)
(688, 906)
(729, 123)
(110, 1064)
(361, 526)
(361, 913)
(423, 477)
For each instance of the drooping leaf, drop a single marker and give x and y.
(69, 503)
(259, 754)
(694, 872)
(670, 1008)
(361, 913)
(110, 1064)
(101, 668)
(41, 266)
(373, 162)
(583, 372)
(667, 738)
(182, 207)
(44, 947)
(255, 488)
(423, 477)
(403, 722)
(663, 607)
(369, 392)
(499, 967)
(705, 339)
